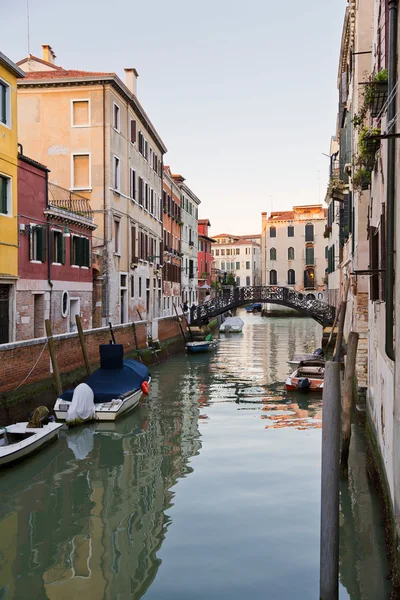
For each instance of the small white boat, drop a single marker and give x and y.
(232, 325)
(18, 441)
(202, 346)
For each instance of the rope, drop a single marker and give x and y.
(33, 368)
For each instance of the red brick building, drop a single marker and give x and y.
(172, 243)
(204, 256)
(55, 254)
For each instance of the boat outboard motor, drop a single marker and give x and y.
(303, 384)
(319, 352)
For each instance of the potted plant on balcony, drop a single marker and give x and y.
(328, 231)
(361, 179)
(376, 93)
(336, 189)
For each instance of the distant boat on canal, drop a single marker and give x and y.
(107, 393)
(232, 325)
(298, 358)
(203, 346)
(253, 308)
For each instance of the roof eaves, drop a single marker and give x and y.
(11, 66)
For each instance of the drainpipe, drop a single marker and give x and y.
(48, 245)
(391, 164)
(105, 211)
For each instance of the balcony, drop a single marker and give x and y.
(191, 243)
(70, 201)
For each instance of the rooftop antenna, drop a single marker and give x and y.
(27, 18)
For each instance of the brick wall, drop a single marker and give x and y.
(17, 359)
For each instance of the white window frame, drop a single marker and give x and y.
(72, 112)
(9, 214)
(115, 104)
(88, 188)
(8, 122)
(118, 251)
(132, 170)
(117, 187)
(56, 230)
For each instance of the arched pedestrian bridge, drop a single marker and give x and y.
(303, 302)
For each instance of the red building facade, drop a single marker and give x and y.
(204, 257)
(55, 254)
(172, 243)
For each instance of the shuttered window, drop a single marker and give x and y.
(309, 232)
(290, 253)
(382, 264)
(132, 191)
(80, 251)
(37, 243)
(273, 277)
(272, 254)
(5, 193)
(310, 256)
(290, 231)
(4, 97)
(133, 244)
(291, 276)
(81, 171)
(272, 232)
(80, 113)
(58, 248)
(373, 263)
(133, 131)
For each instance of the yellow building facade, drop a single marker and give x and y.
(9, 72)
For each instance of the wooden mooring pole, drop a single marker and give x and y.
(180, 324)
(82, 342)
(330, 473)
(53, 356)
(347, 402)
(338, 346)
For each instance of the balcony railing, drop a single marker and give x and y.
(64, 199)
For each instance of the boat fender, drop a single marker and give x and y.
(145, 387)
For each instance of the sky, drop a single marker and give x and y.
(243, 94)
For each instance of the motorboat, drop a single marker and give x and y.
(308, 377)
(298, 358)
(232, 325)
(202, 346)
(252, 308)
(20, 441)
(116, 387)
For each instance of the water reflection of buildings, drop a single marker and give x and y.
(300, 414)
(94, 526)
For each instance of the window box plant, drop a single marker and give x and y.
(376, 93)
(361, 179)
(336, 188)
(328, 231)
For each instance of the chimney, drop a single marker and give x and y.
(48, 54)
(131, 80)
(263, 218)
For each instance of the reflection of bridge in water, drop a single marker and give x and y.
(305, 303)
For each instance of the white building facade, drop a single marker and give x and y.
(189, 242)
(239, 256)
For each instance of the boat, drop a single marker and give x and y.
(252, 308)
(298, 358)
(116, 387)
(203, 346)
(232, 325)
(21, 439)
(308, 377)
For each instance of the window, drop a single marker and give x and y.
(80, 113)
(222, 252)
(237, 266)
(58, 248)
(133, 131)
(5, 195)
(238, 281)
(116, 236)
(291, 277)
(273, 277)
(37, 243)
(80, 251)
(116, 123)
(116, 173)
(247, 264)
(326, 252)
(217, 253)
(290, 231)
(5, 104)
(81, 177)
(310, 256)
(309, 278)
(272, 232)
(132, 286)
(248, 250)
(309, 232)
(140, 287)
(373, 236)
(132, 186)
(290, 253)
(237, 251)
(222, 266)
(141, 186)
(133, 244)
(247, 280)
(272, 254)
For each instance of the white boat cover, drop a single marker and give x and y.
(82, 406)
(81, 441)
(232, 323)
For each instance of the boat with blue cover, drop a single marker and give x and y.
(109, 392)
(252, 308)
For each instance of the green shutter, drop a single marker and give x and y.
(80, 251)
(309, 256)
(86, 252)
(62, 249)
(71, 250)
(42, 236)
(3, 195)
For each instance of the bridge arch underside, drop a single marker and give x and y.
(302, 310)
(304, 303)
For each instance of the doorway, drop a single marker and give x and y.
(4, 314)
(74, 309)
(38, 315)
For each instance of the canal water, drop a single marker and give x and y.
(209, 490)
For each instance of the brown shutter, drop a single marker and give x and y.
(133, 244)
(382, 262)
(133, 131)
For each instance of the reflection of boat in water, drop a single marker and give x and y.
(204, 346)
(115, 388)
(232, 325)
(18, 441)
(308, 377)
